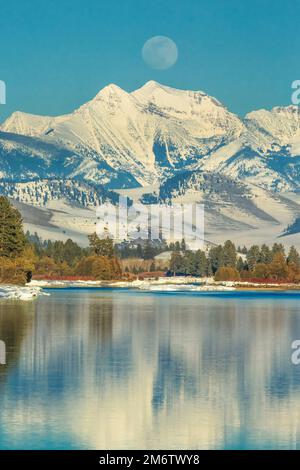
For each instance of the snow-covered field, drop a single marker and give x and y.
(59, 221)
(264, 222)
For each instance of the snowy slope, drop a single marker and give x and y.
(274, 129)
(243, 213)
(267, 153)
(40, 193)
(202, 115)
(26, 158)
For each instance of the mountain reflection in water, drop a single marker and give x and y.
(113, 369)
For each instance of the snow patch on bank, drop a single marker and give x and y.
(177, 283)
(20, 293)
(66, 283)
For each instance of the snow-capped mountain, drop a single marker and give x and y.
(122, 139)
(180, 141)
(266, 153)
(141, 134)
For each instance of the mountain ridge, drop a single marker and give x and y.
(157, 129)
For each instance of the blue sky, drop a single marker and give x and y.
(57, 54)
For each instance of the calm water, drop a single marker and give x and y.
(107, 369)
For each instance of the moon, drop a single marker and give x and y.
(160, 52)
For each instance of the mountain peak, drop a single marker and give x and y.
(26, 124)
(109, 91)
(152, 84)
(153, 87)
(183, 104)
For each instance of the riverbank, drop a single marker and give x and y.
(34, 289)
(167, 283)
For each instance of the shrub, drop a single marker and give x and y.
(261, 271)
(99, 267)
(17, 270)
(227, 274)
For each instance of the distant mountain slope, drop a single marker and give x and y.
(41, 193)
(30, 158)
(215, 191)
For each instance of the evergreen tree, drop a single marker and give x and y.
(188, 264)
(176, 263)
(293, 257)
(201, 264)
(177, 246)
(278, 248)
(149, 251)
(215, 258)
(240, 265)
(229, 254)
(12, 237)
(208, 267)
(265, 255)
(253, 256)
(71, 252)
(183, 245)
(101, 246)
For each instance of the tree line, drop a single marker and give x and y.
(67, 258)
(23, 254)
(145, 249)
(226, 262)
